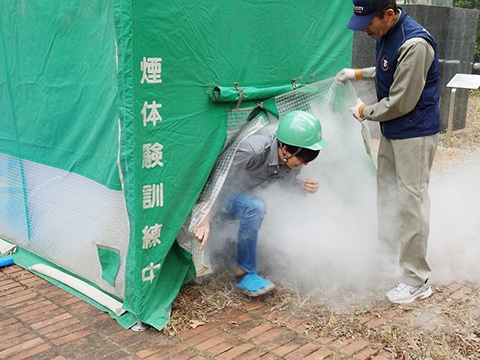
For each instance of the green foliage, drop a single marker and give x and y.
(471, 4)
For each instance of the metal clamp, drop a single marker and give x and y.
(240, 94)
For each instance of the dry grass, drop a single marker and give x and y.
(462, 141)
(470, 136)
(435, 328)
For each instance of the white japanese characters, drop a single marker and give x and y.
(151, 236)
(152, 70)
(152, 155)
(152, 195)
(150, 113)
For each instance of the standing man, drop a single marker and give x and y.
(407, 79)
(259, 161)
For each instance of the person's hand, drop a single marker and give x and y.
(345, 75)
(310, 185)
(357, 110)
(202, 231)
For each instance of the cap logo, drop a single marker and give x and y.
(358, 9)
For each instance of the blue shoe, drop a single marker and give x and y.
(253, 285)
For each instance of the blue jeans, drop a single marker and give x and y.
(250, 210)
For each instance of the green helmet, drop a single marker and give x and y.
(301, 129)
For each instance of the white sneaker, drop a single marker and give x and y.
(405, 294)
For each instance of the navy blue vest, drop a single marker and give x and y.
(424, 120)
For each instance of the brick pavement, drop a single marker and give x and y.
(40, 321)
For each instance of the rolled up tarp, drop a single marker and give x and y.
(233, 93)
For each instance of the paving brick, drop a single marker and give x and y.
(279, 340)
(337, 344)
(222, 347)
(260, 329)
(254, 353)
(61, 332)
(366, 353)
(52, 292)
(250, 306)
(18, 300)
(354, 347)
(152, 345)
(94, 316)
(234, 352)
(211, 342)
(325, 340)
(7, 321)
(184, 355)
(461, 293)
(269, 356)
(72, 336)
(14, 269)
(69, 300)
(79, 308)
(289, 347)
(7, 284)
(118, 355)
(28, 280)
(32, 352)
(109, 326)
(19, 348)
(388, 314)
(36, 303)
(16, 338)
(246, 326)
(163, 352)
(194, 331)
(49, 354)
(129, 337)
(12, 331)
(233, 318)
(40, 310)
(47, 318)
(321, 353)
(268, 335)
(89, 346)
(204, 335)
(302, 352)
(58, 326)
(299, 327)
(454, 287)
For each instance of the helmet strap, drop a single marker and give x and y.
(285, 157)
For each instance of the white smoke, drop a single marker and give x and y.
(454, 246)
(326, 243)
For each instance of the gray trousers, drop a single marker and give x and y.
(403, 203)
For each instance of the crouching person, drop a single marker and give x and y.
(260, 161)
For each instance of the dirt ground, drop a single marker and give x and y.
(435, 328)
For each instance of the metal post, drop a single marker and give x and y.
(450, 115)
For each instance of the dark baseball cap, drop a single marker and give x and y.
(364, 11)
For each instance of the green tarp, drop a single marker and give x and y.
(87, 86)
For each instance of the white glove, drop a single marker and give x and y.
(357, 110)
(345, 75)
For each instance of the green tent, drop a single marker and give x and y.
(113, 116)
